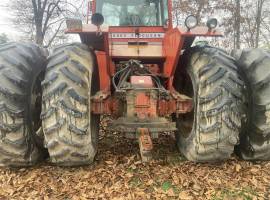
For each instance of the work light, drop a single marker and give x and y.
(212, 23)
(191, 22)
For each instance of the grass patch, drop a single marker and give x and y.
(135, 182)
(166, 186)
(245, 194)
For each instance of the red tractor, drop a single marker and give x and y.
(133, 65)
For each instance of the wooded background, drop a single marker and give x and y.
(245, 23)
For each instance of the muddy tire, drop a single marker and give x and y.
(211, 131)
(254, 67)
(71, 131)
(22, 68)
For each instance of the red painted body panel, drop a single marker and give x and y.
(162, 51)
(172, 45)
(145, 106)
(103, 66)
(142, 81)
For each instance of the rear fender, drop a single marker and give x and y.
(179, 39)
(97, 39)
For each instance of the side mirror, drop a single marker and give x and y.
(97, 19)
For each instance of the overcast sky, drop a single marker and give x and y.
(5, 23)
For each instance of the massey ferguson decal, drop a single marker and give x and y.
(133, 35)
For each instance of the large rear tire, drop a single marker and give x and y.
(211, 131)
(22, 68)
(254, 67)
(71, 131)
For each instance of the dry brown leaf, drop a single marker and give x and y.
(238, 168)
(254, 181)
(150, 182)
(109, 162)
(129, 175)
(254, 170)
(46, 197)
(118, 173)
(175, 179)
(184, 196)
(171, 193)
(196, 187)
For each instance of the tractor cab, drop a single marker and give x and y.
(134, 13)
(136, 28)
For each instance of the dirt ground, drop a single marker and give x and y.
(119, 174)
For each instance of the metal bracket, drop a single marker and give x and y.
(145, 143)
(74, 24)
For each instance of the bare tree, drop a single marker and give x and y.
(245, 23)
(183, 8)
(258, 20)
(237, 25)
(42, 20)
(256, 17)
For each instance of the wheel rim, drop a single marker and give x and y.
(36, 106)
(186, 121)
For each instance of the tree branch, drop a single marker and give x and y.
(55, 34)
(49, 14)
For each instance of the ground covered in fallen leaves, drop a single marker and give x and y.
(119, 174)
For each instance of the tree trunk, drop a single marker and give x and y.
(39, 35)
(258, 21)
(237, 24)
(199, 11)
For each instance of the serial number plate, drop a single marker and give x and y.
(133, 35)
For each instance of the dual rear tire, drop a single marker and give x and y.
(70, 130)
(22, 68)
(231, 105)
(254, 65)
(210, 133)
